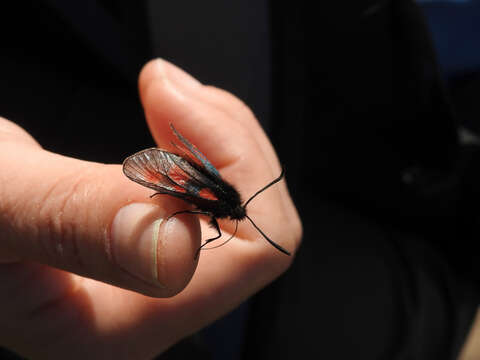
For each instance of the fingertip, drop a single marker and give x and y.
(154, 69)
(176, 253)
(157, 250)
(160, 69)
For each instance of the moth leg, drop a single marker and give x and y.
(158, 193)
(194, 212)
(214, 223)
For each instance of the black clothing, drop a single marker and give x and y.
(361, 121)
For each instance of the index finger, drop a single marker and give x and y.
(238, 148)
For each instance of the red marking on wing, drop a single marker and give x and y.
(177, 176)
(174, 174)
(179, 189)
(154, 178)
(206, 193)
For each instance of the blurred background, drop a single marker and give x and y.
(372, 106)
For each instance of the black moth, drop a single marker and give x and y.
(189, 175)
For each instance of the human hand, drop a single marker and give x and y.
(78, 273)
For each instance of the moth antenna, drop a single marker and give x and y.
(226, 241)
(265, 188)
(274, 244)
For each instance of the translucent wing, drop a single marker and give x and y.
(168, 173)
(196, 153)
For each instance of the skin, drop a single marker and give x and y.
(471, 348)
(77, 274)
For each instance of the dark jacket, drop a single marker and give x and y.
(363, 125)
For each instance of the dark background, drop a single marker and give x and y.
(365, 122)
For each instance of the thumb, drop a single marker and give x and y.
(87, 218)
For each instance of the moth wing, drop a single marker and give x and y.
(168, 173)
(192, 150)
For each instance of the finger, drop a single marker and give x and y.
(11, 132)
(226, 141)
(87, 218)
(229, 145)
(164, 103)
(222, 100)
(225, 104)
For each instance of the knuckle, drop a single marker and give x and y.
(60, 209)
(9, 131)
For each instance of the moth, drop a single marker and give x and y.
(188, 175)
